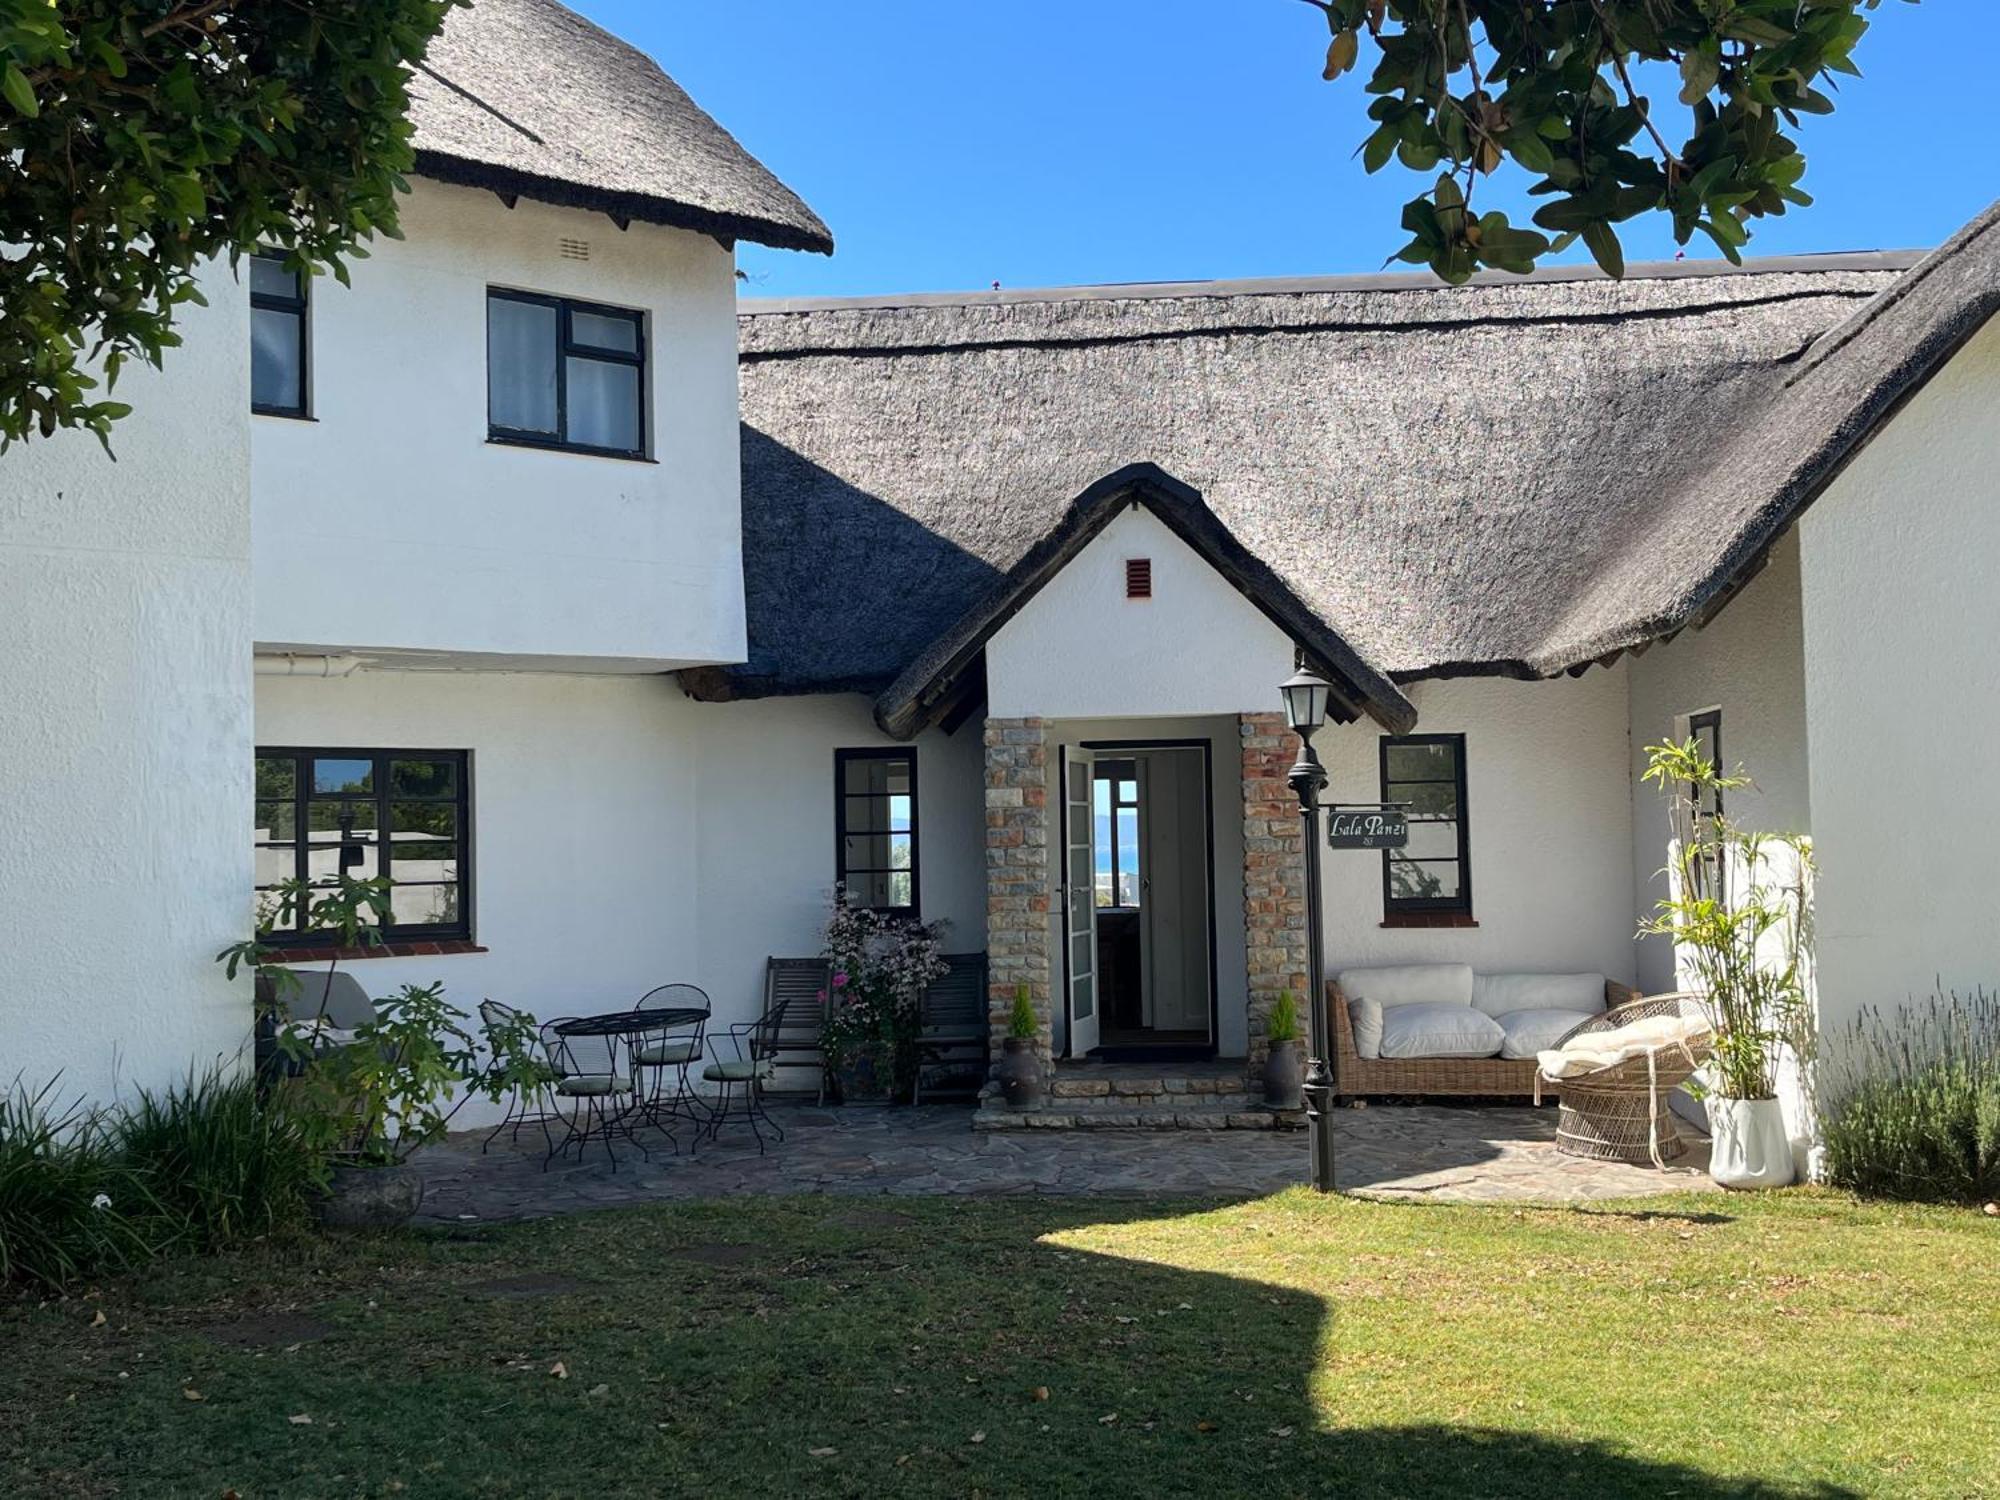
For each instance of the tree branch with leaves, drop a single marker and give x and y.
(1555, 87)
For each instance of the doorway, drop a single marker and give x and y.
(1139, 901)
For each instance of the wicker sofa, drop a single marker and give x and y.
(1491, 1076)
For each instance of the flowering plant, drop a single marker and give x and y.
(878, 968)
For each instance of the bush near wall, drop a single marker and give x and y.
(201, 1167)
(1918, 1116)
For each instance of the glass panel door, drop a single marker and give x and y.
(1079, 886)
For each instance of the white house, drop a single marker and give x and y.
(615, 622)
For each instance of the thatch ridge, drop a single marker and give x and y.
(526, 97)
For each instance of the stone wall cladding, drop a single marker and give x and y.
(1274, 900)
(1017, 874)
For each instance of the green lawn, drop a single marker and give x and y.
(823, 1346)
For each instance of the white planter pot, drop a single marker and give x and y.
(1749, 1146)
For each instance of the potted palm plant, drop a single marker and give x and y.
(1020, 1071)
(1738, 912)
(1284, 1075)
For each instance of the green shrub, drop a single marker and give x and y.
(222, 1165)
(1918, 1115)
(70, 1206)
(1021, 1024)
(1283, 1025)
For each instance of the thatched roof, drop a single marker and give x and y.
(526, 97)
(1519, 476)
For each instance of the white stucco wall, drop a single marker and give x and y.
(1749, 662)
(766, 832)
(124, 722)
(390, 522)
(1549, 801)
(1901, 615)
(1080, 648)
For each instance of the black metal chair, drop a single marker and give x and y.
(796, 988)
(738, 1079)
(954, 1025)
(529, 1102)
(668, 1054)
(596, 1094)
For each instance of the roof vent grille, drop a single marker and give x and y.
(570, 249)
(1138, 578)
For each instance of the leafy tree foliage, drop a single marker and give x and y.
(138, 138)
(1555, 86)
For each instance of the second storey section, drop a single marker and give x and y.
(513, 439)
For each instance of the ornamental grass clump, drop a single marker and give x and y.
(1918, 1116)
(71, 1206)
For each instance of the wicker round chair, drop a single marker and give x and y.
(1620, 1113)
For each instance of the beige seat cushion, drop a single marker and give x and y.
(1503, 994)
(1528, 1033)
(1438, 1031)
(1595, 1051)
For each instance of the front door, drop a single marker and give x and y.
(1079, 901)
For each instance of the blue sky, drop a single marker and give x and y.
(1051, 142)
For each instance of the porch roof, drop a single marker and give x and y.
(1520, 476)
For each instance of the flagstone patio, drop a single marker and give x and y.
(1439, 1153)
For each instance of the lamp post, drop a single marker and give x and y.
(1306, 694)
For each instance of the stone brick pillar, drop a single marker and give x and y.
(1017, 874)
(1274, 900)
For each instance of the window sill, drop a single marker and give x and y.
(405, 948)
(288, 416)
(1429, 919)
(494, 440)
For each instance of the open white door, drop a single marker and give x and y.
(1079, 900)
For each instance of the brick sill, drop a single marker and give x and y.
(1430, 919)
(412, 949)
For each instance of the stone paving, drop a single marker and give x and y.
(1438, 1153)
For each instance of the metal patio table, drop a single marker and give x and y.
(624, 1028)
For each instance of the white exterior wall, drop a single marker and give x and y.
(1548, 795)
(390, 522)
(1750, 663)
(766, 822)
(124, 724)
(1901, 616)
(1081, 649)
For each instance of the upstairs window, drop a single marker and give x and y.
(875, 824)
(277, 337)
(322, 814)
(563, 374)
(1432, 876)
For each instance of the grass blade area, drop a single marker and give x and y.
(1287, 1346)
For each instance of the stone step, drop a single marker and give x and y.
(1098, 1115)
(1082, 1086)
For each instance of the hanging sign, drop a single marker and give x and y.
(1366, 828)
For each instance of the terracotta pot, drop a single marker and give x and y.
(1020, 1072)
(1284, 1076)
(1749, 1146)
(865, 1076)
(371, 1197)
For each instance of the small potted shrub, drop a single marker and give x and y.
(1284, 1073)
(1020, 1070)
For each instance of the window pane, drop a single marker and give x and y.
(324, 861)
(277, 363)
(902, 889)
(276, 820)
(354, 776)
(1427, 799)
(868, 890)
(424, 905)
(1411, 881)
(274, 865)
(878, 774)
(521, 365)
(1422, 763)
(1128, 856)
(867, 814)
(423, 820)
(327, 822)
(423, 778)
(603, 405)
(423, 862)
(620, 332)
(269, 278)
(277, 776)
(1432, 840)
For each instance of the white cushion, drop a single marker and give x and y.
(1607, 1049)
(1410, 984)
(1438, 1031)
(1529, 1032)
(1367, 1018)
(1501, 994)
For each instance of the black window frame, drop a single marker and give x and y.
(300, 308)
(841, 760)
(382, 796)
(566, 349)
(1459, 904)
(1709, 719)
